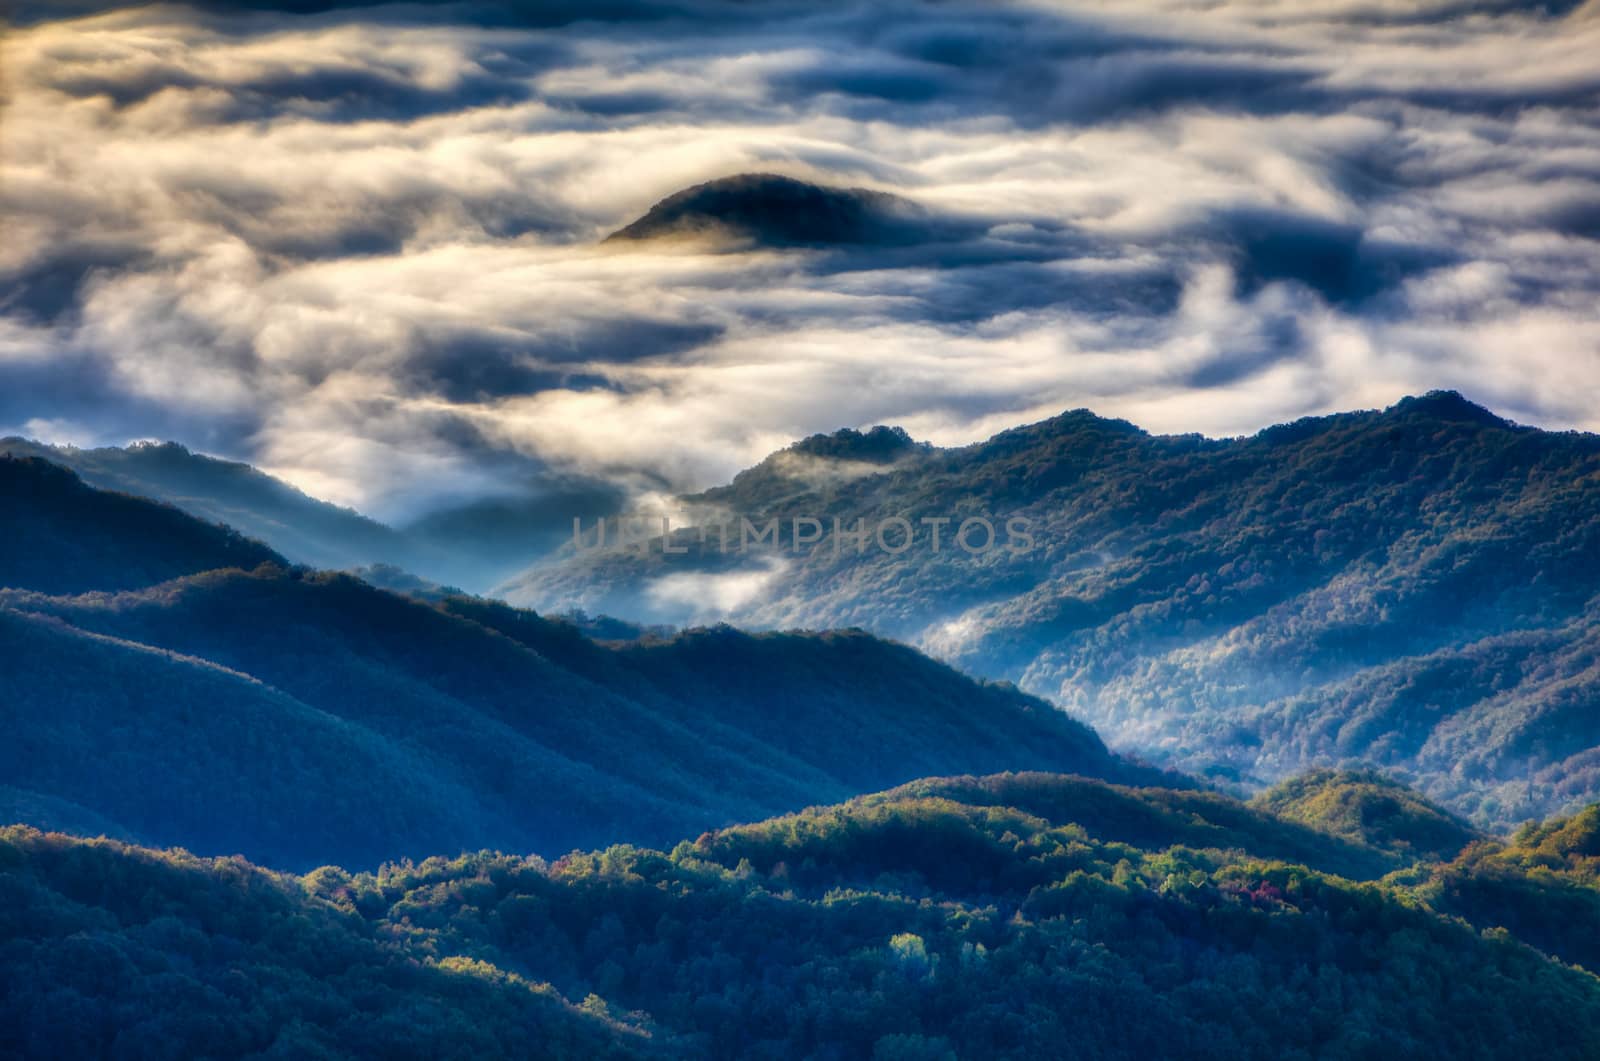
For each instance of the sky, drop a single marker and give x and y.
(360, 246)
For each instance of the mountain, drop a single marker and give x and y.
(936, 921)
(1413, 588)
(1368, 808)
(63, 536)
(474, 543)
(768, 210)
(113, 951)
(1543, 886)
(303, 717)
(109, 736)
(305, 530)
(1160, 818)
(1010, 888)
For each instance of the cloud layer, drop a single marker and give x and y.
(361, 247)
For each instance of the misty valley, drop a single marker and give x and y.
(764, 842)
(923, 530)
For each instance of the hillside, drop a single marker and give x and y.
(902, 925)
(336, 721)
(1159, 818)
(106, 736)
(473, 543)
(530, 736)
(305, 530)
(63, 536)
(1412, 588)
(1542, 885)
(1368, 808)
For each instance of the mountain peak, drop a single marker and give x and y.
(769, 209)
(878, 445)
(1072, 424)
(1446, 405)
(1368, 807)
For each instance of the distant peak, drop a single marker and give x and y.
(1075, 419)
(155, 445)
(1446, 405)
(774, 210)
(1073, 422)
(877, 445)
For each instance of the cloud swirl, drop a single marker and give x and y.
(362, 245)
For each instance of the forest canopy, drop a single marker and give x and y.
(909, 925)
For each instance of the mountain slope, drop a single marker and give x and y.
(62, 536)
(143, 743)
(302, 528)
(348, 722)
(1368, 808)
(474, 543)
(1158, 818)
(555, 741)
(1543, 885)
(110, 951)
(901, 925)
(1412, 587)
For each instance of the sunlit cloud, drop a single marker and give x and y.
(363, 248)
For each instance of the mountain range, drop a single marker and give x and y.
(1009, 916)
(1413, 588)
(1407, 588)
(171, 682)
(472, 544)
(496, 833)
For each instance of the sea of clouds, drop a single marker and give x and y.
(360, 245)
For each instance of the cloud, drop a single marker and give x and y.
(692, 596)
(360, 244)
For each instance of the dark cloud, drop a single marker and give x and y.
(1275, 339)
(503, 532)
(1434, 14)
(870, 81)
(1577, 214)
(1038, 67)
(76, 394)
(546, 14)
(329, 93)
(974, 295)
(992, 42)
(1035, 89)
(49, 288)
(1119, 88)
(617, 104)
(480, 365)
(1341, 262)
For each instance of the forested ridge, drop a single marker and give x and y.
(940, 920)
(539, 824)
(63, 536)
(301, 717)
(1414, 588)
(298, 526)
